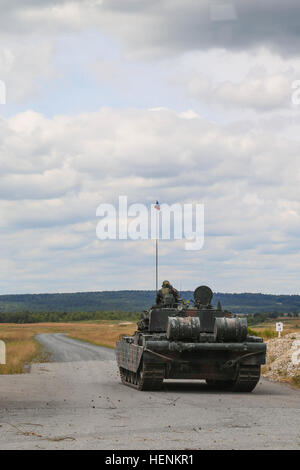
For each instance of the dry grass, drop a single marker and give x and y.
(105, 334)
(22, 348)
(267, 330)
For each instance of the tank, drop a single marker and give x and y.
(192, 341)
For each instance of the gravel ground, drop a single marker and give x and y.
(283, 357)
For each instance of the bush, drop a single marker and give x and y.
(296, 380)
(268, 333)
(252, 332)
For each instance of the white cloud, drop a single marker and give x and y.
(225, 65)
(31, 30)
(261, 93)
(64, 167)
(259, 81)
(24, 63)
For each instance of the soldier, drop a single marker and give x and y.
(167, 294)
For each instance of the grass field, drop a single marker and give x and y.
(22, 348)
(267, 330)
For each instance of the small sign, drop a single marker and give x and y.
(279, 328)
(2, 353)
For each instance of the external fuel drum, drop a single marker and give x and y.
(180, 328)
(230, 329)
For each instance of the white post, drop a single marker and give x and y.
(2, 352)
(279, 328)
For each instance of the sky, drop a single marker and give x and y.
(178, 101)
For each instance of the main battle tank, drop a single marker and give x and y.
(179, 341)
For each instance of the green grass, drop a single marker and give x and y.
(252, 332)
(268, 333)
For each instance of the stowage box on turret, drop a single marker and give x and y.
(199, 342)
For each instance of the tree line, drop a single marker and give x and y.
(254, 319)
(40, 317)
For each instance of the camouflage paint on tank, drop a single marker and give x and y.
(201, 342)
(128, 355)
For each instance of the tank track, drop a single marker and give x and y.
(246, 380)
(148, 377)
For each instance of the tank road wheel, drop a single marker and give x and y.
(122, 375)
(246, 381)
(148, 377)
(135, 379)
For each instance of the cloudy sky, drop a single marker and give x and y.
(175, 100)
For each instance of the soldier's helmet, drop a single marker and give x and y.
(166, 284)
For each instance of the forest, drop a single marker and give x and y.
(125, 304)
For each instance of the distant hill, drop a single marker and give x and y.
(135, 301)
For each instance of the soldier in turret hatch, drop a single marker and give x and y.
(167, 295)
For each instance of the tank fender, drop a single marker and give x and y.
(128, 355)
(245, 360)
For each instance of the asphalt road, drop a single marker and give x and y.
(78, 402)
(64, 349)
